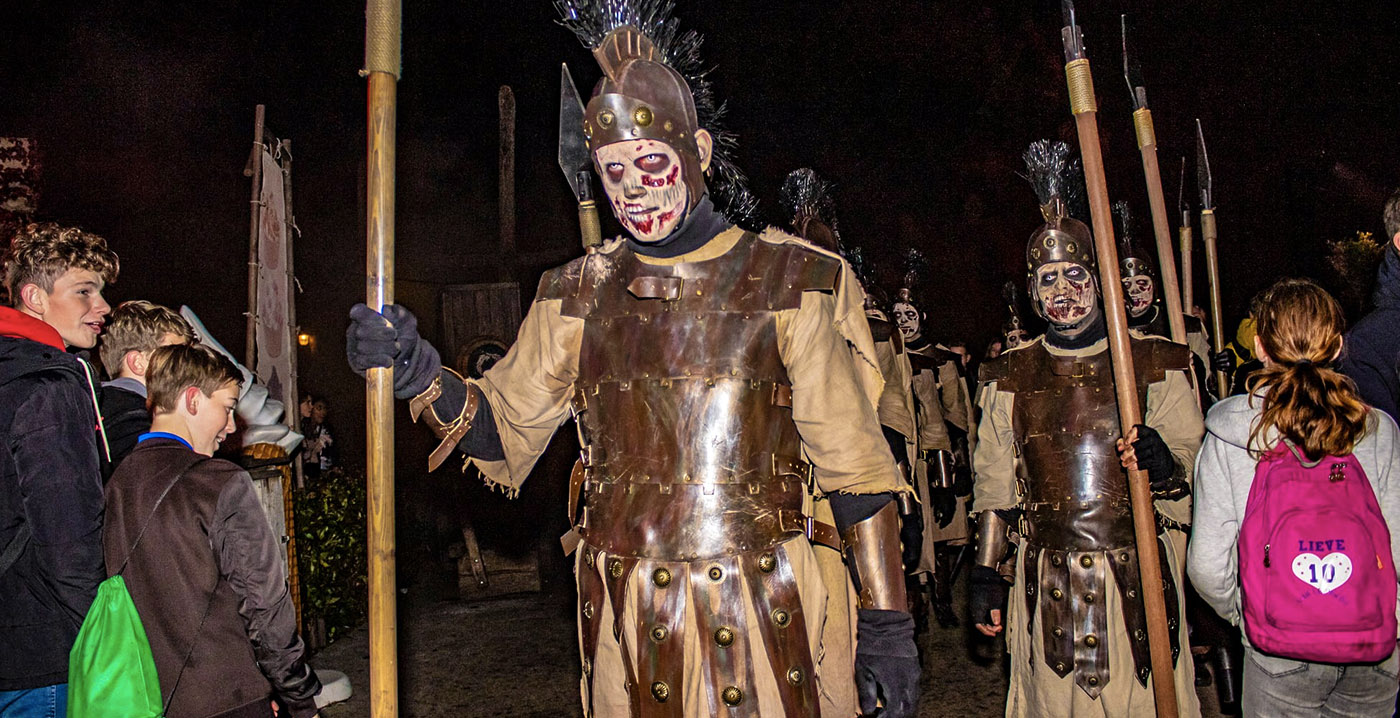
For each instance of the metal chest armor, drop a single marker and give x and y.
(682, 401)
(1078, 518)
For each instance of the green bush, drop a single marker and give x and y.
(331, 553)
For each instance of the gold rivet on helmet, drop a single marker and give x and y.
(795, 676)
(724, 636)
(661, 577)
(1071, 247)
(767, 562)
(588, 130)
(668, 126)
(732, 696)
(1049, 242)
(642, 116)
(605, 119)
(1035, 253)
(660, 691)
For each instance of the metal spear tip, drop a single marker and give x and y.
(573, 145)
(1070, 34)
(1132, 70)
(1203, 179)
(1067, 10)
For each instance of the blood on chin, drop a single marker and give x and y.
(1066, 315)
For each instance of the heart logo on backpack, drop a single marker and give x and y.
(1324, 574)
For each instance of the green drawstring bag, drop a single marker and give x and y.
(111, 672)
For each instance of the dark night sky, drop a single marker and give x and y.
(918, 111)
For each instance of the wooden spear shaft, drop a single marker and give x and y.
(382, 65)
(1217, 323)
(1147, 144)
(1082, 104)
(254, 170)
(1188, 295)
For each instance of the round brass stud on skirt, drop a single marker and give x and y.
(767, 562)
(724, 636)
(781, 618)
(1057, 632)
(732, 696)
(1086, 561)
(1092, 680)
(615, 568)
(716, 573)
(660, 691)
(1091, 641)
(795, 676)
(661, 577)
(659, 633)
(1056, 594)
(587, 609)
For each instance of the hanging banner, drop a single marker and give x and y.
(273, 339)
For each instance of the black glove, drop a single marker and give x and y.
(944, 503)
(962, 476)
(391, 339)
(1156, 459)
(887, 663)
(1223, 360)
(988, 593)
(911, 538)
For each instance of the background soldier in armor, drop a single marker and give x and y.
(719, 379)
(1049, 462)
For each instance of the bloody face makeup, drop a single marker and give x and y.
(645, 184)
(1139, 293)
(906, 317)
(1066, 293)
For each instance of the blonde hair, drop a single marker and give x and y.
(40, 253)
(177, 367)
(1305, 400)
(139, 325)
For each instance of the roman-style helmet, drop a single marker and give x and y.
(654, 88)
(1132, 260)
(1059, 188)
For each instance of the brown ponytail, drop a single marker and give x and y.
(1304, 399)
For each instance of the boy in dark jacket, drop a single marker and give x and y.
(207, 576)
(133, 331)
(1371, 350)
(50, 487)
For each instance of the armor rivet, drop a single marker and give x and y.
(1071, 247)
(795, 676)
(1030, 590)
(1056, 594)
(1132, 593)
(605, 119)
(643, 117)
(1056, 560)
(1088, 598)
(1140, 635)
(1049, 242)
(615, 568)
(1086, 561)
(659, 633)
(1091, 640)
(732, 696)
(724, 636)
(660, 691)
(1172, 624)
(668, 126)
(781, 617)
(661, 577)
(1059, 666)
(587, 609)
(589, 558)
(716, 573)
(1092, 680)
(1057, 632)
(767, 562)
(587, 666)
(1124, 557)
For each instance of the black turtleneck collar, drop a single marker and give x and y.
(1096, 331)
(1146, 318)
(700, 226)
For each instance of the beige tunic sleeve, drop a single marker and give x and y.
(950, 393)
(835, 416)
(529, 391)
(933, 433)
(1172, 410)
(994, 460)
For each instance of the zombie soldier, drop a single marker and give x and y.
(945, 430)
(723, 385)
(1049, 464)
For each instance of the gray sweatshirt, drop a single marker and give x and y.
(1224, 473)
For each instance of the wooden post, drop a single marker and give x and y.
(1147, 144)
(1085, 109)
(254, 170)
(382, 66)
(506, 203)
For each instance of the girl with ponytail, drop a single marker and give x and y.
(1297, 400)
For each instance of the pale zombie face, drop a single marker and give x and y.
(1066, 293)
(906, 317)
(644, 182)
(1139, 293)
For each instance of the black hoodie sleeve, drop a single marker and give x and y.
(249, 559)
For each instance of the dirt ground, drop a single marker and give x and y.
(517, 658)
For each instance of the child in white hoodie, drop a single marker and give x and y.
(1298, 396)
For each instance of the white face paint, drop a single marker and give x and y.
(906, 317)
(1139, 293)
(645, 184)
(1066, 293)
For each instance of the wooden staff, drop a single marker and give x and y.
(1083, 105)
(382, 66)
(1217, 321)
(1188, 279)
(254, 170)
(1147, 145)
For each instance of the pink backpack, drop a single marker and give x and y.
(1315, 567)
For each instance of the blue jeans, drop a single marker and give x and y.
(46, 702)
(1284, 688)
